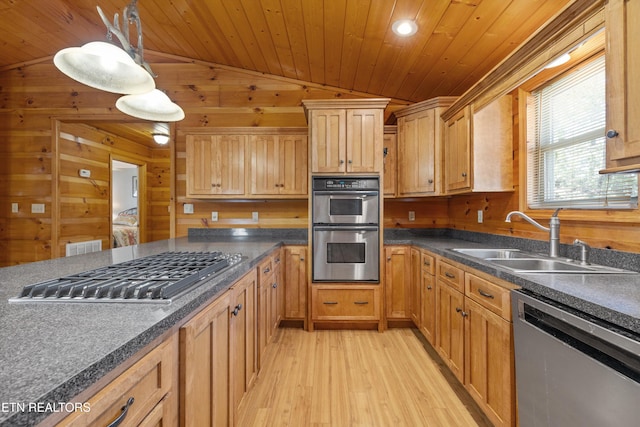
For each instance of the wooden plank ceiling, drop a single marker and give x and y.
(346, 44)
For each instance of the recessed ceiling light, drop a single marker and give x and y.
(404, 27)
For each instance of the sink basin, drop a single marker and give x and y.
(546, 265)
(492, 253)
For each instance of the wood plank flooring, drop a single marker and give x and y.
(354, 378)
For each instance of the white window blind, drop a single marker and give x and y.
(566, 145)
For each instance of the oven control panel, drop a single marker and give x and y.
(342, 183)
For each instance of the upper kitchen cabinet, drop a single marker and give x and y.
(215, 165)
(279, 165)
(478, 148)
(623, 85)
(420, 147)
(389, 161)
(346, 136)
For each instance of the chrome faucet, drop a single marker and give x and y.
(553, 229)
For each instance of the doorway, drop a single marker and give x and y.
(126, 193)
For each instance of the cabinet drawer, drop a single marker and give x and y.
(148, 381)
(491, 296)
(451, 275)
(345, 304)
(265, 270)
(428, 263)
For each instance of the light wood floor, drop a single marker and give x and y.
(354, 378)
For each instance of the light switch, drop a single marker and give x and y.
(15, 208)
(37, 208)
(214, 216)
(412, 215)
(254, 216)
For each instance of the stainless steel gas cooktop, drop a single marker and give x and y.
(156, 278)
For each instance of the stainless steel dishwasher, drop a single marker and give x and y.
(571, 369)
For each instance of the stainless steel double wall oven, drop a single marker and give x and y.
(346, 229)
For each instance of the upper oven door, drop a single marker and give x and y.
(346, 207)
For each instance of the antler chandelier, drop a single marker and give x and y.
(107, 67)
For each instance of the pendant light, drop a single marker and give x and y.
(154, 105)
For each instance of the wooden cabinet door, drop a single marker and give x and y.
(417, 154)
(243, 338)
(450, 328)
(415, 297)
(295, 279)
(205, 367)
(364, 140)
(279, 165)
(265, 165)
(398, 282)
(293, 169)
(389, 164)
(623, 82)
(229, 167)
(262, 321)
(328, 140)
(200, 165)
(457, 152)
(489, 366)
(428, 315)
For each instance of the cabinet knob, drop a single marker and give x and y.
(301, 259)
(462, 313)
(612, 133)
(429, 288)
(275, 285)
(350, 161)
(464, 174)
(341, 162)
(430, 181)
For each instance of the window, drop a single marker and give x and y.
(566, 145)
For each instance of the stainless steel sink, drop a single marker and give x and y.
(492, 253)
(547, 265)
(523, 262)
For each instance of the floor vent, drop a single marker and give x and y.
(84, 247)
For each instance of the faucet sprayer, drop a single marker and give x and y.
(553, 229)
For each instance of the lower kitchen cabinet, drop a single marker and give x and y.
(397, 282)
(148, 391)
(205, 366)
(218, 362)
(428, 297)
(450, 327)
(347, 303)
(295, 278)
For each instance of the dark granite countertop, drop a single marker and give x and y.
(52, 352)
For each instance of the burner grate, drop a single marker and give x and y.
(155, 278)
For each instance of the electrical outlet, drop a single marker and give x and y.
(37, 208)
(480, 216)
(412, 215)
(85, 173)
(15, 208)
(254, 216)
(188, 208)
(214, 216)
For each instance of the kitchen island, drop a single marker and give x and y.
(53, 352)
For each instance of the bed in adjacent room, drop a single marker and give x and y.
(125, 228)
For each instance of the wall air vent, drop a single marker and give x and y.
(80, 248)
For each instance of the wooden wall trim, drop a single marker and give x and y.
(576, 22)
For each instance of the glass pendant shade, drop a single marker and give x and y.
(104, 66)
(154, 106)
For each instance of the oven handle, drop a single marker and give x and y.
(345, 228)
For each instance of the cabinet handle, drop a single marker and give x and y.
(430, 181)
(449, 275)
(341, 162)
(612, 133)
(278, 260)
(388, 258)
(462, 313)
(123, 415)
(266, 270)
(237, 309)
(350, 161)
(275, 285)
(428, 288)
(330, 302)
(485, 294)
(301, 259)
(427, 263)
(361, 302)
(464, 174)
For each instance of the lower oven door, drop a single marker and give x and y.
(346, 254)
